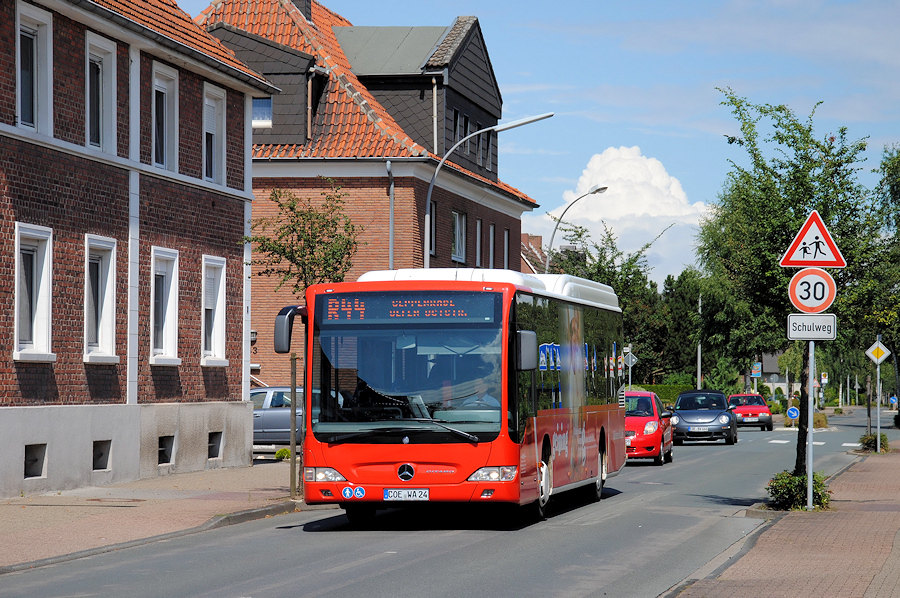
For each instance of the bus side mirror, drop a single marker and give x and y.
(527, 356)
(284, 324)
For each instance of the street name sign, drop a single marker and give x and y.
(812, 327)
(878, 352)
(813, 246)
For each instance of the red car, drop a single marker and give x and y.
(751, 411)
(648, 429)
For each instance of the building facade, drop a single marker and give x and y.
(374, 109)
(125, 189)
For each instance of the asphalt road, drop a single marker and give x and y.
(654, 527)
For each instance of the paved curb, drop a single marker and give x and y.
(216, 522)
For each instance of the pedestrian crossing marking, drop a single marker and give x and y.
(779, 441)
(853, 444)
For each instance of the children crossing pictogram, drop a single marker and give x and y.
(813, 246)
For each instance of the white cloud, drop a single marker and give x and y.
(641, 201)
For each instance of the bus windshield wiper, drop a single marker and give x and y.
(443, 424)
(340, 438)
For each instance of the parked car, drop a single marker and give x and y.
(648, 429)
(703, 415)
(751, 410)
(272, 414)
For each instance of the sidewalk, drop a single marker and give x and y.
(851, 550)
(41, 529)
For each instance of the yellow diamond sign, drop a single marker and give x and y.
(878, 352)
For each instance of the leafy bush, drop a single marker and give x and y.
(283, 454)
(788, 491)
(869, 442)
(820, 420)
(667, 393)
(775, 407)
(838, 411)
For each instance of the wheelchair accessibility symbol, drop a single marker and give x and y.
(359, 492)
(348, 492)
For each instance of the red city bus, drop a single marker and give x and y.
(459, 385)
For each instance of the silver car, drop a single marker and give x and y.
(272, 414)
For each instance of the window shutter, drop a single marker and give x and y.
(209, 117)
(210, 289)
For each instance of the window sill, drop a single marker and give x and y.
(164, 360)
(31, 356)
(101, 358)
(213, 362)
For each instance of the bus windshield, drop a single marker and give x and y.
(407, 367)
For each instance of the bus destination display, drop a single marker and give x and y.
(382, 308)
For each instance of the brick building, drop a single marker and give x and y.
(374, 109)
(125, 186)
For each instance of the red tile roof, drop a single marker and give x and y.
(165, 18)
(350, 123)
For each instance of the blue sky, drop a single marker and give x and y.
(633, 86)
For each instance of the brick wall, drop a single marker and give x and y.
(73, 196)
(68, 80)
(8, 62)
(193, 222)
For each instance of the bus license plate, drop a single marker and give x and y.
(699, 429)
(406, 494)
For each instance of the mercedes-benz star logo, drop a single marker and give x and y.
(406, 472)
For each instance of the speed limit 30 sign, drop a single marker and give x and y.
(812, 290)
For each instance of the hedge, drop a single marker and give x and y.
(667, 393)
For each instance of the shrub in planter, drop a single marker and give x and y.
(869, 442)
(283, 454)
(788, 491)
(820, 420)
(838, 411)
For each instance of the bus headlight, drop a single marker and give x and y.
(322, 474)
(494, 474)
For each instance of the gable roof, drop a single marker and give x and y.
(165, 23)
(350, 122)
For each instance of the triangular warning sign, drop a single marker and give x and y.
(813, 246)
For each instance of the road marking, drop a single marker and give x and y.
(818, 443)
(779, 441)
(853, 444)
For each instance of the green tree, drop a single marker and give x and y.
(305, 243)
(627, 274)
(681, 297)
(761, 207)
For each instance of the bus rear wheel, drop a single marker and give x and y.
(545, 485)
(602, 471)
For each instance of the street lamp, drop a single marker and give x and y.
(591, 191)
(497, 128)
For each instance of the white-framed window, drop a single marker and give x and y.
(164, 108)
(213, 133)
(506, 248)
(478, 147)
(433, 228)
(490, 246)
(34, 293)
(34, 49)
(100, 300)
(262, 113)
(458, 237)
(478, 243)
(213, 317)
(164, 306)
(466, 132)
(100, 92)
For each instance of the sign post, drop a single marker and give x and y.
(630, 360)
(878, 353)
(812, 290)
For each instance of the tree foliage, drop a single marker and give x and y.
(305, 243)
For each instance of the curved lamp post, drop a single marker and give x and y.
(591, 191)
(497, 128)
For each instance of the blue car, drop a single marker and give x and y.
(703, 415)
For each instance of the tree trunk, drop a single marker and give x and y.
(803, 423)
